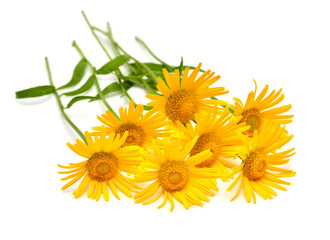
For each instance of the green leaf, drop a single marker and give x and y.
(88, 84)
(35, 92)
(230, 109)
(79, 98)
(78, 74)
(113, 87)
(127, 85)
(113, 64)
(161, 75)
(181, 69)
(155, 67)
(136, 79)
(147, 108)
(152, 84)
(158, 68)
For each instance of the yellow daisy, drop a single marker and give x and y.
(105, 159)
(141, 129)
(259, 108)
(221, 134)
(182, 98)
(260, 158)
(175, 175)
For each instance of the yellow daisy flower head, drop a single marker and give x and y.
(105, 160)
(259, 108)
(183, 98)
(219, 133)
(141, 129)
(258, 171)
(173, 173)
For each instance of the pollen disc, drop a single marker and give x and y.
(255, 165)
(136, 135)
(102, 166)
(253, 118)
(173, 176)
(182, 106)
(204, 142)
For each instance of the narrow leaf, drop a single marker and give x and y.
(152, 84)
(78, 74)
(113, 64)
(113, 87)
(127, 85)
(35, 92)
(153, 66)
(88, 84)
(132, 78)
(147, 108)
(181, 69)
(79, 98)
(158, 68)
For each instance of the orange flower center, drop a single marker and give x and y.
(253, 118)
(204, 142)
(255, 165)
(182, 106)
(173, 176)
(136, 135)
(102, 166)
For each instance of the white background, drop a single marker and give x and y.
(285, 44)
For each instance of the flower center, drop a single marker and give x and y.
(102, 166)
(204, 142)
(253, 118)
(182, 106)
(136, 135)
(255, 165)
(173, 176)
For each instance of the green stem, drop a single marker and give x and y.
(82, 136)
(115, 48)
(118, 72)
(110, 36)
(99, 30)
(170, 68)
(102, 96)
(81, 53)
(118, 48)
(152, 75)
(95, 80)
(94, 34)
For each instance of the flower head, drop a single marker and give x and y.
(219, 133)
(259, 108)
(105, 160)
(175, 175)
(258, 171)
(141, 129)
(183, 98)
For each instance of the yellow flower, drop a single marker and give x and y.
(141, 129)
(175, 175)
(105, 159)
(260, 158)
(221, 134)
(257, 109)
(183, 98)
